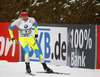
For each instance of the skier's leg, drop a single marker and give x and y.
(39, 55)
(26, 50)
(35, 48)
(45, 67)
(27, 59)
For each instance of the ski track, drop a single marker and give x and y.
(9, 69)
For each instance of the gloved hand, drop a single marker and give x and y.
(36, 37)
(14, 40)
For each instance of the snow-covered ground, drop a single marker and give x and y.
(8, 69)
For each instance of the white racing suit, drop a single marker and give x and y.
(26, 37)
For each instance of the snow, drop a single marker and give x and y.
(66, 5)
(54, 8)
(18, 12)
(9, 69)
(71, 1)
(37, 4)
(83, 3)
(61, 19)
(98, 4)
(96, 14)
(33, 3)
(59, 2)
(47, 1)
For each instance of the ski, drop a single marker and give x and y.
(55, 73)
(30, 74)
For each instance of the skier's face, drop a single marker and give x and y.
(24, 18)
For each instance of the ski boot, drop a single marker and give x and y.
(28, 70)
(46, 68)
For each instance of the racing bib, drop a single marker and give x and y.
(27, 31)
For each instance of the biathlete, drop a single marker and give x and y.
(26, 38)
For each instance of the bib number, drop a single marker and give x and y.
(26, 31)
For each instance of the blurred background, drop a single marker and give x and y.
(53, 11)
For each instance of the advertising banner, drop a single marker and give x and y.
(81, 46)
(8, 50)
(71, 45)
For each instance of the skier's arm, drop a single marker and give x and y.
(10, 30)
(36, 30)
(11, 26)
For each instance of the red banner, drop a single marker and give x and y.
(8, 50)
(98, 48)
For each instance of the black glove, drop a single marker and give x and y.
(36, 37)
(14, 40)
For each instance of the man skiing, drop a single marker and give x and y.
(26, 38)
